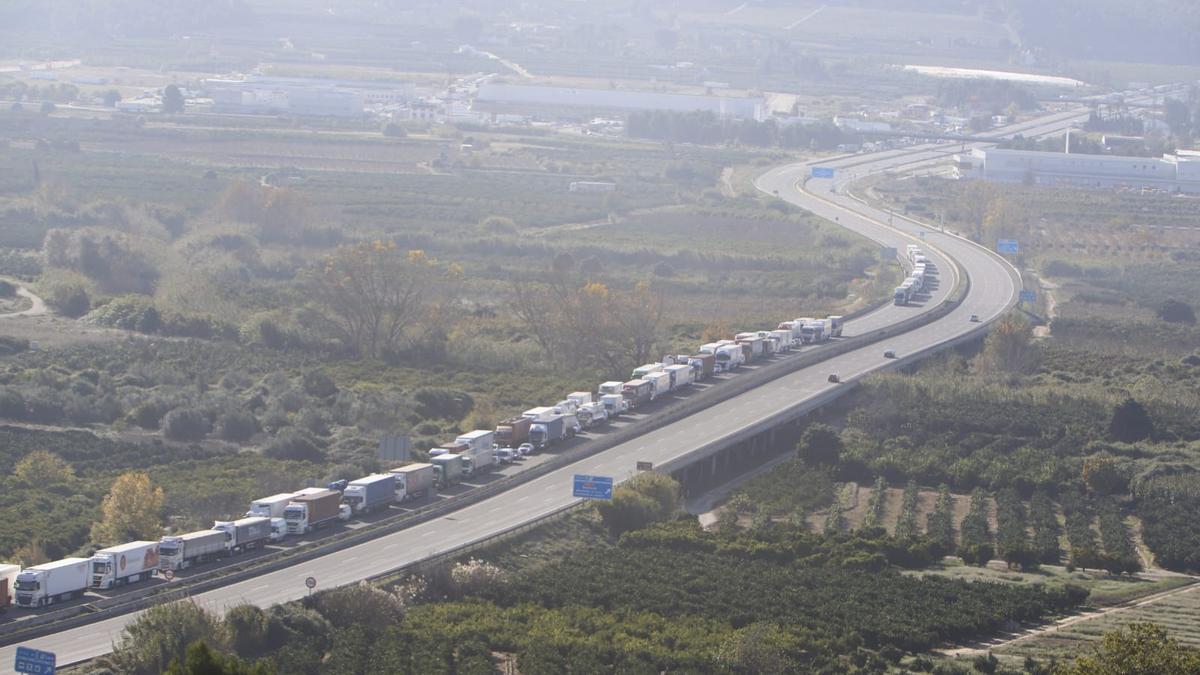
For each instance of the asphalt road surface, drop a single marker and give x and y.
(994, 286)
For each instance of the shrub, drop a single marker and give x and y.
(292, 444)
(7, 289)
(237, 426)
(317, 383)
(437, 402)
(70, 298)
(186, 424)
(12, 345)
(12, 404)
(1175, 311)
(1130, 422)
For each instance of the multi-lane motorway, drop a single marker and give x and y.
(993, 289)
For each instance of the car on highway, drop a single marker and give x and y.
(525, 449)
(889, 354)
(833, 377)
(974, 318)
(344, 512)
(505, 455)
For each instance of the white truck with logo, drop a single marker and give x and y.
(124, 564)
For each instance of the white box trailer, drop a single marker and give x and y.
(681, 376)
(660, 384)
(478, 440)
(124, 564)
(611, 387)
(581, 398)
(270, 507)
(52, 582)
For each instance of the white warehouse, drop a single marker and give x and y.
(1175, 173)
(501, 97)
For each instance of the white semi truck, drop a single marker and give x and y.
(124, 564)
(52, 582)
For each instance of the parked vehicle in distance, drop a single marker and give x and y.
(278, 529)
(308, 512)
(447, 470)
(124, 564)
(8, 580)
(270, 507)
(525, 449)
(833, 377)
(889, 354)
(504, 455)
(414, 481)
(513, 431)
(636, 392)
(610, 388)
(377, 491)
(476, 448)
(553, 430)
(245, 534)
(52, 582)
(185, 550)
(974, 318)
(614, 404)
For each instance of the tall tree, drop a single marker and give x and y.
(131, 510)
(372, 293)
(172, 100)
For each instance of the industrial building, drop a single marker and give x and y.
(1174, 173)
(308, 97)
(570, 101)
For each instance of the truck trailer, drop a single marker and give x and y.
(591, 415)
(729, 357)
(512, 432)
(836, 323)
(636, 392)
(8, 581)
(815, 332)
(707, 365)
(311, 511)
(124, 564)
(52, 582)
(244, 534)
(614, 404)
(185, 550)
(660, 384)
(447, 469)
(369, 493)
(270, 507)
(478, 451)
(413, 481)
(681, 376)
(609, 388)
(642, 371)
(554, 430)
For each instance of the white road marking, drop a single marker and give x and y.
(806, 17)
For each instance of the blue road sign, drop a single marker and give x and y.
(593, 487)
(1028, 296)
(822, 172)
(34, 661)
(1008, 246)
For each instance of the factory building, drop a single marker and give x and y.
(570, 101)
(306, 97)
(1174, 173)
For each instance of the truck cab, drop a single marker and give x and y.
(278, 530)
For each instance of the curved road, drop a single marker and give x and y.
(994, 286)
(37, 306)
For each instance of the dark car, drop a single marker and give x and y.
(833, 377)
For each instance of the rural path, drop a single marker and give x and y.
(1072, 620)
(37, 305)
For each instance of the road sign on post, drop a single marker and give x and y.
(822, 172)
(1008, 246)
(311, 582)
(168, 574)
(34, 661)
(593, 487)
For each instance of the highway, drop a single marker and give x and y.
(994, 286)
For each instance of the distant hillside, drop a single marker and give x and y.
(1161, 31)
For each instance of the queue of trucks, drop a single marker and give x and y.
(273, 518)
(922, 270)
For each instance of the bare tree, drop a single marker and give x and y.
(373, 293)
